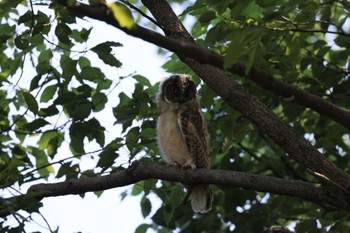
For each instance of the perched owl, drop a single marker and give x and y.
(182, 133)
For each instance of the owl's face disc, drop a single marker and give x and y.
(179, 89)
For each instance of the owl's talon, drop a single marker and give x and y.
(188, 165)
(174, 164)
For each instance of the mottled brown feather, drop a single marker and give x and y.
(194, 131)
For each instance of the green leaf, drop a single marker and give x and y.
(68, 170)
(21, 42)
(49, 111)
(132, 140)
(212, 36)
(31, 102)
(35, 82)
(207, 17)
(6, 5)
(104, 50)
(48, 93)
(85, 33)
(71, 3)
(148, 132)
(53, 145)
(68, 67)
(62, 31)
(50, 140)
(99, 101)
(41, 162)
(19, 152)
(43, 67)
(92, 73)
(25, 18)
(20, 121)
(84, 62)
(307, 226)
(42, 26)
(29, 203)
(77, 135)
(84, 91)
(77, 145)
(122, 14)
(142, 80)
(146, 206)
(103, 84)
(234, 50)
(82, 111)
(97, 131)
(142, 228)
(45, 55)
(76, 35)
(7, 30)
(137, 188)
(107, 158)
(162, 216)
(36, 124)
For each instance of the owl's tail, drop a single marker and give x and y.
(201, 198)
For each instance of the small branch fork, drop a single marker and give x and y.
(140, 171)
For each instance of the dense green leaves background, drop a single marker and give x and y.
(304, 43)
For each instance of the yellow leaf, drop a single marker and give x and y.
(122, 14)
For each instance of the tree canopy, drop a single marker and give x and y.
(274, 84)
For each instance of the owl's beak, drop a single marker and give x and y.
(182, 98)
(182, 93)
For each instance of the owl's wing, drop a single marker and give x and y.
(194, 131)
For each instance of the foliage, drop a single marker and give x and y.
(304, 43)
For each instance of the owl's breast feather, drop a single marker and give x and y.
(171, 142)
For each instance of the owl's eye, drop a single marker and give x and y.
(174, 90)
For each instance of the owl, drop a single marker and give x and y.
(182, 133)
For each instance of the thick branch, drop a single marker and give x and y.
(243, 101)
(180, 43)
(205, 56)
(140, 171)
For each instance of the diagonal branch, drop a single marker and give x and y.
(140, 171)
(237, 97)
(180, 41)
(263, 79)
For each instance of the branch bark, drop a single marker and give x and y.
(247, 104)
(180, 41)
(190, 50)
(139, 171)
(187, 48)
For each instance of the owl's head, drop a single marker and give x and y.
(178, 89)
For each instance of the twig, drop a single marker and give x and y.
(126, 2)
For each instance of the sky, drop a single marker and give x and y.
(107, 213)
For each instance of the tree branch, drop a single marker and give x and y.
(259, 114)
(139, 171)
(190, 50)
(179, 41)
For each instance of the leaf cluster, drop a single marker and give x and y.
(50, 96)
(304, 43)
